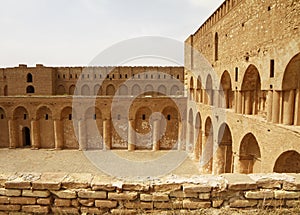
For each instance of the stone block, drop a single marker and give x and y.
(4, 200)
(36, 193)
(204, 196)
(262, 194)
(293, 203)
(92, 210)
(123, 196)
(181, 194)
(17, 183)
(293, 184)
(49, 181)
(139, 205)
(65, 194)
(146, 197)
(43, 201)
(243, 203)
(13, 192)
(106, 204)
(75, 203)
(160, 197)
(270, 203)
(190, 204)
(64, 210)
(102, 183)
(168, 205)
(62, 202)
(2, 191)
(135, 187)
(217, 203)
(10, 208)
(22, 201)
(4, 177)
(166, 187)
(36, 209)
(200, 188)
(87, 202)
(236, 181)
(77, 180)
(92, 194)
(282, 194)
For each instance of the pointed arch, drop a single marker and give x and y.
(110, 90)
(288, 162)
(226, 96)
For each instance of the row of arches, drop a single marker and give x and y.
(123, 90)
(277, 106)
(214, 148)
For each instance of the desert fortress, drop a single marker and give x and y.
(234, 105)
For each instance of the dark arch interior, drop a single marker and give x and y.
(26, 137)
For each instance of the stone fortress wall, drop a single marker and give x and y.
(253, 52)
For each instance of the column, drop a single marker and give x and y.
(180, 135)
(131, 135)
(106, 134)
(235, 101)
(275, 106)
(297, 108)
(248, 105)
(219, 160)
(12, 134)
(269, 105)
(288, 107)
(58, 134)
(236, 163)
(156, 134)
(35, 134)
(216, 97)
(190, 137)
(239, 102)
(82, 135)
(198, 142)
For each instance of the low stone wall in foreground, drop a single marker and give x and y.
(94, 194)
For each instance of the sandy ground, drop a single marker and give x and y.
(114, 162)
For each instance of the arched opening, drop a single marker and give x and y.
(288, 162)
(5, 91)
(216, 46)
(46, 127)
(110, 90)
(4, 138)
(136, 90)
(149, 90)
(97, 90)
(290, 88)
(123, 90)
(224, 159)
(29, 78)
(175, 90)
(26, 137)
(170, 137)
(85, 90)
(60, 90)
(249, 154)
(199, 90)
(209, 95)
(251, 91)
(191, 88)
(21, 119)
(72, 90)
(190, 143)
(93, 119)
(198, 137)
(207, 147)
(226, 96)
(30, 89)
(162, 90)
(143, 127)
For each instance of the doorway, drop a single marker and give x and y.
(26, 137)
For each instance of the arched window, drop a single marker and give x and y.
(216, 46)
(29, 78)
(30, 89)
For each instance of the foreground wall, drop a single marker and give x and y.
(86, 193)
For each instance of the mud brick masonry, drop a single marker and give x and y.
(61, 193)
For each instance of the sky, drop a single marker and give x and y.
(73, 32)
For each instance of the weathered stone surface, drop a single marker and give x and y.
(201, 188)
(135, 187)
(122, 196)
(65, 194)
(49, 181)
(36, 209)
(17, 183)
(77, 180)
(239, 182)
(146, 197)
(75, 203)
(10, 207)
(189, 204)
(292, 185)
(13, 192)
(166, 187)
(87, 202)
(92, 194)
(62, 202)
(102, 183)
(4, 177)
(4, 200)
(217, 203)
(181, 194)
(168, 205)
(282, 194)
(64, 210)
(243, 203)
(139, 205)
(36, 193)
(262, 194)
(124, 211)
(293, 203)
(204, 196)
(22, 201)
(2, 192)
(270, 203)
(91, 210)
(160, 197)
(43, 201)
(106, 204)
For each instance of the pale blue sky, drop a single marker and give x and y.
(73, 32)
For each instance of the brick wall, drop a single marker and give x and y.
(86, 193)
